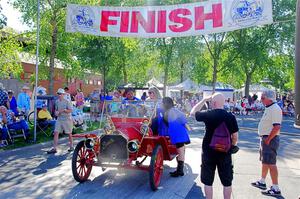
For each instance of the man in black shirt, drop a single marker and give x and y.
(212, 159)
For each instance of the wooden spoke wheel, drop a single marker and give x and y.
(156, 167)
(82, 162)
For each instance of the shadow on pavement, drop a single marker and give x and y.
(53, 161)
(195, 193)
(133, 184)
(277, 197)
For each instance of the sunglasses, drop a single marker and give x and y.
(150, 92)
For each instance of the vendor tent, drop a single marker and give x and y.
(154, 82)
(226, 89)
(255, 89)
(187, 85)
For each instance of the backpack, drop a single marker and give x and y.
(221, 140)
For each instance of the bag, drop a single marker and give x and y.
(221, 140)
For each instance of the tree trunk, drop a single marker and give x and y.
(247, 85)
(125, 75)
(104, 78)
(166, 76)
(181, 77)
(297, 69)
(215, 71)
(52, 55)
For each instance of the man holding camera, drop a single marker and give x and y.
(211, 158)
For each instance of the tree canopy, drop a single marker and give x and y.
(238, 58)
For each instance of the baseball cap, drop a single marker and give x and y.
(60, 91)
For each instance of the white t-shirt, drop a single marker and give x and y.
(67, 97)
(271, 116)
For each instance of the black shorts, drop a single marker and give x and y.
(213, 160)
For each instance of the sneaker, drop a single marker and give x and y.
(71, 149)
(259, 185)
(272, 192)
(52, 151)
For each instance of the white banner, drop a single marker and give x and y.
(181, 20)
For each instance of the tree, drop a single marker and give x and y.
(3, 19)
(10, 46)
(55, 43)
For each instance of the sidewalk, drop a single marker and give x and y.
(30, 173)
(247, 166)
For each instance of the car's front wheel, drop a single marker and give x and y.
(82, 162)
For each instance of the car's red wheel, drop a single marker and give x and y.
(156, 167)
(82, 162)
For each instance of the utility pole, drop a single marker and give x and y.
(297, 69)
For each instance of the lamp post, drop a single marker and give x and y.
(36, 67)
(297, 69)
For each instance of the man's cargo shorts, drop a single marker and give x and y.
(268, 153)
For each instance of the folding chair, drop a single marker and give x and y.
(12, 134)
(43, 126)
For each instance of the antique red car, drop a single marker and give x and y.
(125, 141)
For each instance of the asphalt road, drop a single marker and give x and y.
(31, 173)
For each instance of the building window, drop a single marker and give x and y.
(99, 83)
(91, 82)
(27, 75)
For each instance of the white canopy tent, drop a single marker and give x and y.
(154, 82)
(255, 89)
(226, 89)
(187, 85)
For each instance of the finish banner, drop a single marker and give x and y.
(181, 20)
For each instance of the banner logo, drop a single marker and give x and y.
(247, 12)
(83, 19)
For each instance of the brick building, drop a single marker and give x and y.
(90, 82)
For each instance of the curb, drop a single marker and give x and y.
(36, 145)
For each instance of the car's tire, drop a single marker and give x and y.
(82, 163)
(156, 167)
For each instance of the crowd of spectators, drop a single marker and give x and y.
(13, 112)
(19, 106)
(250, 105)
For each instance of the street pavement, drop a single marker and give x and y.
(30, 173)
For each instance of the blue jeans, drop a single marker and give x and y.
(4, 133)
(20, 125)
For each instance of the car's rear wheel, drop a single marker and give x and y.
(82, 162)
(156, 167)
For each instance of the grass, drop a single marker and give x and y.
(41, 137)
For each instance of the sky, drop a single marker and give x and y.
(13, 17)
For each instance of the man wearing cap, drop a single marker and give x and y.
(95, 104)
(269, 130)
(63, 109)
(24, 101)
(3, 96)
